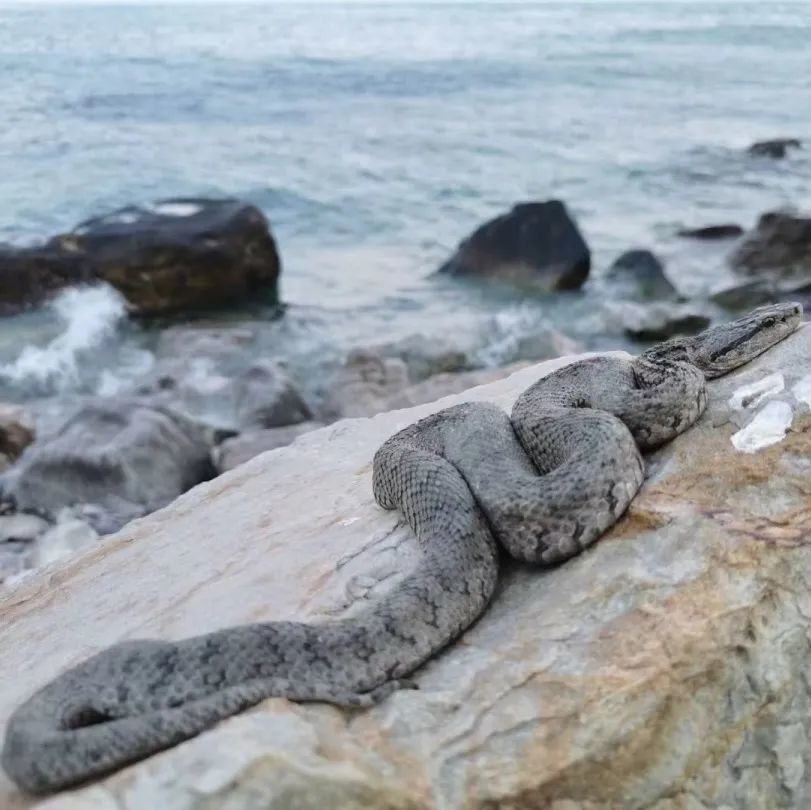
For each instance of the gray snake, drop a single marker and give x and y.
(543, 484)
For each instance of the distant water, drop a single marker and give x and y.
(377, 136)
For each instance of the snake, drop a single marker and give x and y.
(475, 484)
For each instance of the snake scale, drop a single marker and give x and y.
(543, 484)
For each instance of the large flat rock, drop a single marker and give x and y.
(665, 668)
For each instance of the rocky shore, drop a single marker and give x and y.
(195, 413)
(663, 668)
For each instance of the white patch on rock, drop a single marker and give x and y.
(802, 390)
(750, 396)
(768, 427)
(176, 209)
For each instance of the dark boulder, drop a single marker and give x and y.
(182, 254)
(536, 244)
(779, 246)
(123, 456)
(639, 275)
(710, 232)
(776, 148)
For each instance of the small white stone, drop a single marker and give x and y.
(802, 390)
(768, 427)
(750, 396)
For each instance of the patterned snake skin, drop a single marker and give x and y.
(543, 484)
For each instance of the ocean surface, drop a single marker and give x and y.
(377, 136)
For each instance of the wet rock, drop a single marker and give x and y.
(777, 148)
(712, 232)
(664, 668)
(749, 294)
(178, 255)
(266, 397)
(639, 275)
(658, 321)
(16, 433)
(125, 457)
(780, 246)
(536, 244)
(239, 449)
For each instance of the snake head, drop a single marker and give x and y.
(720, 349)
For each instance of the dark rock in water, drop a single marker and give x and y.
(123, 456)
(266, 397)
(235, 451)
(184, 254)
(658, 321)
(749, 294)
(536, 244)
(641, 276)
(16, 433)
(709, 232)
(776, 148)
(779, 246)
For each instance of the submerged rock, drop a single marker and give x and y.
(536, 244)
(639, 275)
(181, 254)
(779, 246)
(125, 457)
(711, 232)
(663, 668)
(776, 148)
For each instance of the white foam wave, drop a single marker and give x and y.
(91, 316)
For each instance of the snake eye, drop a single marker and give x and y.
(769, 322)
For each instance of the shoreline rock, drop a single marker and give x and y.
(663, 667)
(780, 246)
(177, 255)
(535, 244)
(640, 275)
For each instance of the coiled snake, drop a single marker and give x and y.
(543, 484)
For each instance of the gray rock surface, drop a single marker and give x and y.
(239, 449)
(266, 397)
(663, 669)
(123, 456)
